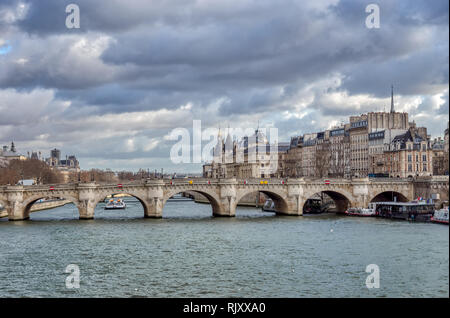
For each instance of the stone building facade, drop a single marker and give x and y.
(361, 127)
(251, 157)
(409, 155)
(446, 153)
(376, 144)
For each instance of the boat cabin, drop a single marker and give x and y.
(414, 211)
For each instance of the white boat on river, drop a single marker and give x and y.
(115, 205)
(440, 216)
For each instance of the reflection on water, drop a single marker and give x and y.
(188, 253)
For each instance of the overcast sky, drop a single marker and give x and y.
(112, 91)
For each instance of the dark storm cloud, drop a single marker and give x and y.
(422, 72)
(45, 17)
(413, 12)
(196, 48)
(112, 95)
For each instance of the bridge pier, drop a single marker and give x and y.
(14, 203)
(87, 200)
(16, 212)
(226, 207)
(86, 209)
(153, 208)
(293, 206)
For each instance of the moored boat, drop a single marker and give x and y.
(360, 212)
(440, 216)
(412, 211)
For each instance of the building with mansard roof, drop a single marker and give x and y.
(250, 157)
(409, 155)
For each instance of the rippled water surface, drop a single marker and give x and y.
(188, 253)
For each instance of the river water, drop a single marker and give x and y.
(188, 253)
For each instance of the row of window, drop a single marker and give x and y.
(410, 167)
(424, 158)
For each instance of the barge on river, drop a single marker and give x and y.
(412, 211)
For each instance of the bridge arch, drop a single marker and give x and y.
(389, 196)
(277, 196)
(28, 203)
(137, 195)
(212, 197)
(342, 199)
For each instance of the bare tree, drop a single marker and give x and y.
(29, 169)
(322, 160)
(338, 160)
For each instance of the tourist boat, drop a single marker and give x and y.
(120, 204)
(412, 211)
(111, 205)
(440, 216)
(269, 206)
(360, 212)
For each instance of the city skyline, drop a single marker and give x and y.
(143, 70)
(197, 167)
(213, 155)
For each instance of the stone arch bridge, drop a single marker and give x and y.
(289, 195)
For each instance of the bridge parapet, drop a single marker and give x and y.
(155, 182)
